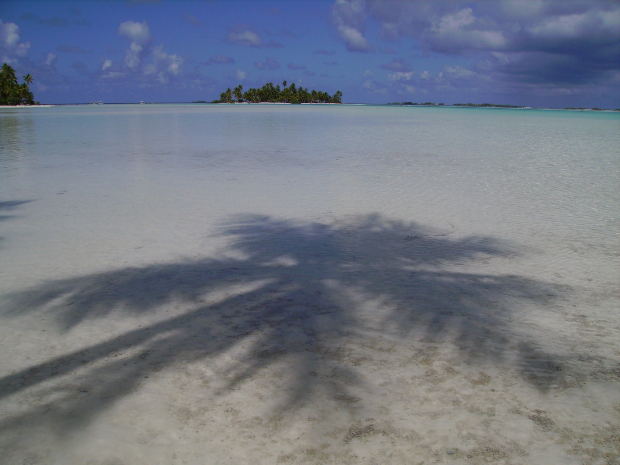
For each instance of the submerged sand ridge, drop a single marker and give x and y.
(213, 284)
(312, 343)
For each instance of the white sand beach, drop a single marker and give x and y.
(25, 106)
(309, 285)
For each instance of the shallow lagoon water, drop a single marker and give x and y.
(128, 176)
(115, 217)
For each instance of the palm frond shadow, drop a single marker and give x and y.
(9, 205)
(12, 204)
(292, 291)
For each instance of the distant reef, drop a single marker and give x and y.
(11, 91)
(489, 105)
(486, 105)
(422, 104)
(271, 93)
(473, 105)
(591, 109)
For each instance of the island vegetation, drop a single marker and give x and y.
(11, 91)
(270, 93)
(486, 105)
(587, 109)
(474, 105)
(422, 104)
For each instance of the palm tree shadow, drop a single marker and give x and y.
(9, 205)
(292, 292)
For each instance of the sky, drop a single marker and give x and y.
(545, 53)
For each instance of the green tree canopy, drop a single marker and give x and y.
(11, 91)
(276, 94)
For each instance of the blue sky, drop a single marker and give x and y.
(534, 52)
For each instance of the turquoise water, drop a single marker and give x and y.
(188, 281)
(103, 182)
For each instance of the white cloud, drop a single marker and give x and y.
(348, 16)
(459, 71)
(572, 26)
(401, 76)
(245, 37)
(141, 57)
(10, 46)
(134, 31)
(354, 38)
(107, 63)
(163, 64)
(133, 56)
(460, 30)
(113, 75)
(9, 34)
(139, 35)
(50, 59)
(240, 75)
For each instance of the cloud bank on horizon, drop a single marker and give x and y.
(538, 52)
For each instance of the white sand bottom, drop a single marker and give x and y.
(169, 304)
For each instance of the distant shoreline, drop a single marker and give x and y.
(28, 106)
(484, 107)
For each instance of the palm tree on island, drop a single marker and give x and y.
(11, 91)
(276, 94)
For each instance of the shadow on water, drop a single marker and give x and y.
(9, 205)
(290, 291)
(12, 204)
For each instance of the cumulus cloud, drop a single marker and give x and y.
(50, 59)
(141, 57)
(163, 65)
(267, 63)
(245, 37)
(171, 62)
(401, 76)
(10, 45)
(113, 75)
(348, 16)
(250, 38)
(139, 35)
(461, 30)
(459, 71)
(135, 31)
(565, 43)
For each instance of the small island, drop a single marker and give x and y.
(473, 105)
(270, 93)
(11, 91)
(486, 105)
(422, 104)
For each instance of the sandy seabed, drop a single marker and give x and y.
(147, 318)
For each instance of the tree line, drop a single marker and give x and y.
(11, 91)
(275, 93)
